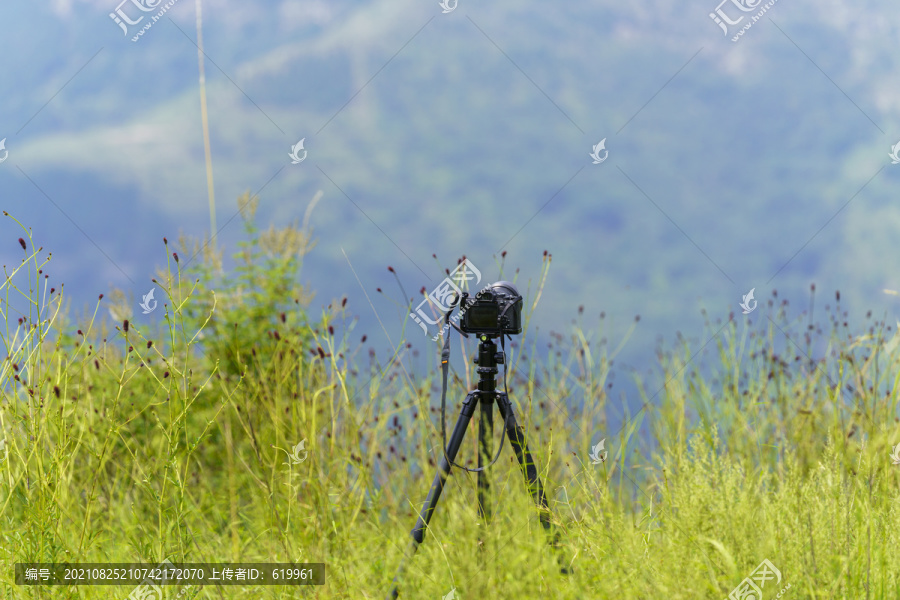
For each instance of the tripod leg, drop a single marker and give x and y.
(485, 451)
(520, 447)
(437, 486)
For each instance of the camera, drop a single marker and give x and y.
(494, 311)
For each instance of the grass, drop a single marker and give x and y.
(133, 444)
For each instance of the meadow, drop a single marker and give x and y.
(245, 428)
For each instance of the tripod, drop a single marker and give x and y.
(487, 360)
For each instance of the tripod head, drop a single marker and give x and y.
(487, 360)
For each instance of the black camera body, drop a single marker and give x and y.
(494, 311)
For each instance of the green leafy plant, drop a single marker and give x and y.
(124, 443)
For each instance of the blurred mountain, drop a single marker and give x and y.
(761, 163)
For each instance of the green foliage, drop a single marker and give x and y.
(137, 447)
(260, 308)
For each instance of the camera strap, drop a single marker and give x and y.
(445, 367)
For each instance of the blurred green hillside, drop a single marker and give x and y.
(762, 164)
